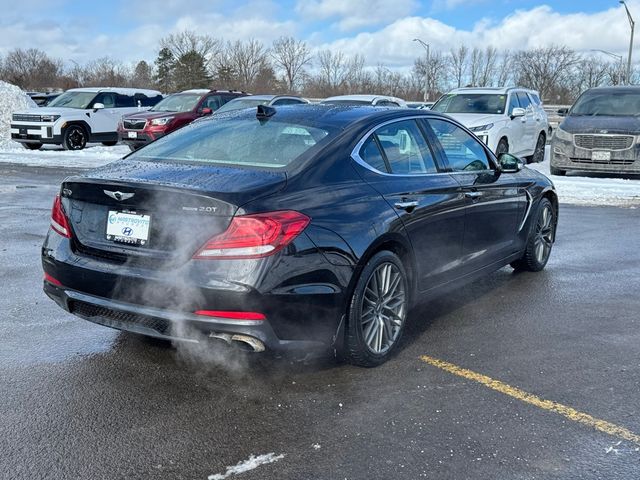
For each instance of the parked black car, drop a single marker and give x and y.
(296, 227)
(599, 133)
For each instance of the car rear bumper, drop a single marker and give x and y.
(142, 138)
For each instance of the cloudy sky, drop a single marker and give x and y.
(382, 30)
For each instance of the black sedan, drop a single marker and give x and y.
(298, 227)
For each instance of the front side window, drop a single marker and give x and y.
(405, 149)
(214, 102)
(464, 153)
(513, 103)
(523, 98)
(108, 99)
(245, 142)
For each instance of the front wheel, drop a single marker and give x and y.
(377, 311)
(540, 241)
(74, 138)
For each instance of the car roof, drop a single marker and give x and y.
(364, 97)
(616, 89)
(496, 90)
(122, 91)
(332, 116)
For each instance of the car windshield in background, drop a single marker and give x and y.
(240, 104)
(73, 100)
(486, 103)
(236, 141)
(618, 104)
(177, 103)
(346, 102)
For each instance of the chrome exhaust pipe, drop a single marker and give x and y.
(241, 341)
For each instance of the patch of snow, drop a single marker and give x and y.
(250, 464)
(12, 99)
(51, 156)
(595, 189)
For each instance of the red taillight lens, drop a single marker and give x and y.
(51, 280)
(59, 220)
(231, 315)
(255, 236)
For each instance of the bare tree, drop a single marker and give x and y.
(488, 67)
(31, 69)
(545, 68)
(504, 69)
(333, 70)
(459, 64)
(186, 42)
(246, 60)
(433, 70)
(477, 60)
(291, 56)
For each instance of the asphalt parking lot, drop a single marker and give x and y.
(83, 401)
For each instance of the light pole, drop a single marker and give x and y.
(632, 24)
(426, 69)
(617, 57)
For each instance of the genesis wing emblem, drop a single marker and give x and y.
(118, 195)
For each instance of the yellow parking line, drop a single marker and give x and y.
(568, 412)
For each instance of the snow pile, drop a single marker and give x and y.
(12, 99)
(583, 188)
(250, 464)
(95, 155)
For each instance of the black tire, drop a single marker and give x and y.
(385, 320)
(557, 171)
(541, 238)
(503, 147)
(538, 153)
(110, 144)
(32, 146)
(74, 138)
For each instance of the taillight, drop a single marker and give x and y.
(255, 236)
(231, 315)
(59, 221)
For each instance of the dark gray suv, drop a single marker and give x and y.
(599, 133)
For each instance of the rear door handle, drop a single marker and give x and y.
(406, 205)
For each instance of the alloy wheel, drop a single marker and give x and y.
(544, 234)
(383, 308)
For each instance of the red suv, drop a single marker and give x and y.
(173, 112)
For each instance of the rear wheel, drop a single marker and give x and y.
(557, 171)
(74, 138)
(503, 147)
(32, 146)
(538, 153)
(540, 240)
(377, 311)
(110, 144)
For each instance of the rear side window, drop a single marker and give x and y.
(146, 101)
(123, 101)
(523, 98)
(405, 149)
(464, 153)
(237, 141)
(287, 101)
(372, 155)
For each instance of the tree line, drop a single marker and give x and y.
(190, 60)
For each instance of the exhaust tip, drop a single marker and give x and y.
(244, 342)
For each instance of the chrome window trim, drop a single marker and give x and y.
(355, 153)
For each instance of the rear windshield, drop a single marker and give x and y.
(177, 103)
(622, 104)
(236, 141)
(485, 103)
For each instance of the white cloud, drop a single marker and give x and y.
(355, 13)
(523, 29)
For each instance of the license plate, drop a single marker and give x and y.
(132, 134)
(128, 228)
(601, 155)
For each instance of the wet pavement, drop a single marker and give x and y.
(82, 401)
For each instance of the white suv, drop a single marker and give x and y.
(505, 119)
(79, 116)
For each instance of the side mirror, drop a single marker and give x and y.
(98, 106)
(563, 112)
(518, 112)
(207, 111)
(509, 163)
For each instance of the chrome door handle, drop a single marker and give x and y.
(473, 195)
(406, 205)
